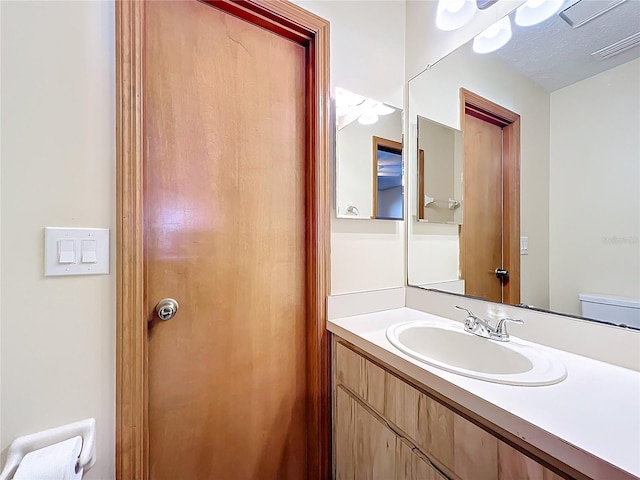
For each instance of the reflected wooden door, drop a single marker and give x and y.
(490, 232)
(482, 224)
(229, 233)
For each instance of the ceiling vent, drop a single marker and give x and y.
(618, 47)
(583, 11)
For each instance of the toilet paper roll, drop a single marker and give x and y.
(55, 462)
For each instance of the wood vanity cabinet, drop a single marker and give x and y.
(368, 448)
(386, 429)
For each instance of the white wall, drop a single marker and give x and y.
(58, 161)
(354, 161)
(595, 176)
(490, 78)
(367, 58)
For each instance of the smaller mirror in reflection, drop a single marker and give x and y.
(440, 158)
(369, 162)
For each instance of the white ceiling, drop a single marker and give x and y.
(555, 55)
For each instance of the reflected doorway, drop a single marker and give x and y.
(490, 233)
(388, 188)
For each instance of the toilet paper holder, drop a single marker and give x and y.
(28, 443)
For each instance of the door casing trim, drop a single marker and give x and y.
(312, 32)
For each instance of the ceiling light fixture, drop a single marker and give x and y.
(345, 98)
(350, 107)
(368, 118)
(494, 37)
(382, 109)
(484, 4)
(453, 14)
(536, 11)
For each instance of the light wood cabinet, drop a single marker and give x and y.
(385, 429)
(368, 449)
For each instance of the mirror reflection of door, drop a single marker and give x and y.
(388, 190)
(490, 234)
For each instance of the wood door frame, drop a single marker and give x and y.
(379, 142)
(312, 32)
(488, 111)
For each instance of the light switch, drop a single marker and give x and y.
(524, 245)
(89, 251)
(76, 251)
(66, 251)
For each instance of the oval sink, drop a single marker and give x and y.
(451, 348)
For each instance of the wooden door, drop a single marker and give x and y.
(482, 195)
(490, 232)
(232, 202)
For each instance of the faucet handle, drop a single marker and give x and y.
(471, 322)
(501, 327)
(471, 314)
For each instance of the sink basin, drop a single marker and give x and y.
(454, 350)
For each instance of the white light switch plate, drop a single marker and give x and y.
(524, 245)
(56, 239)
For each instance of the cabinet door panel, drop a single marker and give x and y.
(365, 447)
(404, 460)
(427, 423)
(476, 451)
(421, 470)
(514, 464)
(345, 436)
(361, 376)
(436, 430)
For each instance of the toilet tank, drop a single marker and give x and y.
(609, 308)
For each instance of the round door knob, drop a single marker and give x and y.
(167, 308)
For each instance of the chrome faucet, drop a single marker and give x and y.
(482, 328)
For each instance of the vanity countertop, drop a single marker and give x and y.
(590, 421)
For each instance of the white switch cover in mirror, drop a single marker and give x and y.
(76, 251)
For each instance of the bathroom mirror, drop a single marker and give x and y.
(440, 155)
(576, 90)
(369, 158)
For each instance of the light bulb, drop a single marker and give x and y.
(454, 6)
(494, 37)
(453, 14)
(536, 11)
(492, 31)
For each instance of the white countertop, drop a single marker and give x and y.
(590, 421)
